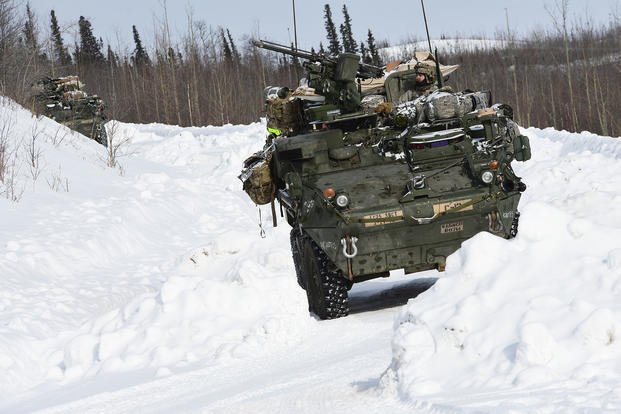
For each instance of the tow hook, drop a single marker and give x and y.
(349, 244)
(425, 220)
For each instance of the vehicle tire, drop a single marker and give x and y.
(326, 289)
(296, 251)
(98, 133)
(514, 225)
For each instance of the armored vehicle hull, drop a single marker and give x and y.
(357, 212)
(63, 100)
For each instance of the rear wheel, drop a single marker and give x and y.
(514, 225)
(326, 288)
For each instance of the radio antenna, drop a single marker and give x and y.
(439, 79)
(295, 27)
(422, 3)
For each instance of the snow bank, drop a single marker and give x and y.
(216, 305)
(514, 320)
(156, 265)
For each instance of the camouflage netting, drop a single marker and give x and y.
(64, 100)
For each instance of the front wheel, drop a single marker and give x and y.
(296, 251)
(326, 287)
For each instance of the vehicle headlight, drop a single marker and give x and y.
(487, 177)
(341, 200)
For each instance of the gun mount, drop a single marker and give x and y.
(334, 77)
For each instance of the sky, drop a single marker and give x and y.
(397, 21)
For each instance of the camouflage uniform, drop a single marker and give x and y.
(421, 88)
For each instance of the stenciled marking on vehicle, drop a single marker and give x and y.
(508, 214)
(454, 206)
(328, 245)
(386, 217)
(308, 206)
(452, 227)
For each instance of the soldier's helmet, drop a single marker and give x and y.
(426, 69)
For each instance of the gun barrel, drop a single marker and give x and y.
(365, 70)
(275, 47)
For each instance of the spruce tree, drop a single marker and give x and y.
(76, 52)
(375, 57)
(30, 32)
(366, 58)
(140, 56)
(234, 51)
(349, 44)
(112, 58)
(334, 47)
(90, 48)
(226, 48)
(60, 51)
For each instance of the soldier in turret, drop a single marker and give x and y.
(424, 80)
(425, 83)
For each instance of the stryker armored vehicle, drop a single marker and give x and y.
(368, 191)
(64, 100)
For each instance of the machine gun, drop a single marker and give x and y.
(331, 76)
(364, 70)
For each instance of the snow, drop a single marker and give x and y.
(533, 313)
(444, 46)
(148, 287)
(112, 276)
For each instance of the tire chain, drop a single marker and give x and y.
(334, 285)
(514, 225)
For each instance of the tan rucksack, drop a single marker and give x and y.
(259, 185)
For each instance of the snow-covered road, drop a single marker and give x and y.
(335, 370)
(151, 290)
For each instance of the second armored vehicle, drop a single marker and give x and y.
(64, 100)
(397, 186)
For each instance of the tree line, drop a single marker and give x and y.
(566, 78)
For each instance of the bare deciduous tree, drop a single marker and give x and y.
(34, 151)
(8, 157)
(115, 141)
(57, 182)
